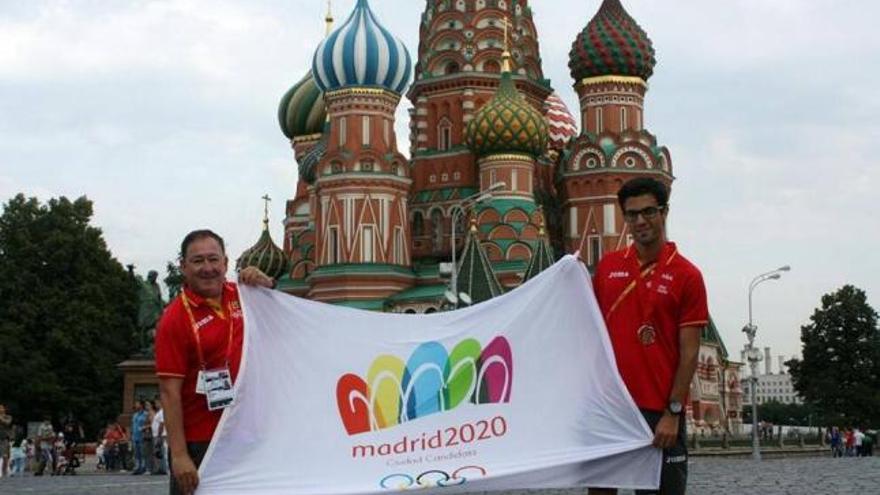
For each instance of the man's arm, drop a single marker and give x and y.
(182, 468)
(688, 350)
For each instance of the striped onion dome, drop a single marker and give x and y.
(361, 52)
(560, 122)
(265, 255)
(308, 164)
(302, 111)
(507, 123)
(612, 44)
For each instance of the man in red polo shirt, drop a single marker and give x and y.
(198, 352)
(654, 304)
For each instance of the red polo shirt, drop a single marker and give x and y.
(177, 354)
(671, 296)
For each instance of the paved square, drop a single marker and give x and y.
(802, 476)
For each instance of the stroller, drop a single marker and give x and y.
(68, 459)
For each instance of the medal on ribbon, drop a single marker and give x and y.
(647, 335)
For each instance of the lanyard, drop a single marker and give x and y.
(647, 293)
(197, 337)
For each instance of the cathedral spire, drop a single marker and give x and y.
(328, 19)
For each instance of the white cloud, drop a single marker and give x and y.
(163, 112)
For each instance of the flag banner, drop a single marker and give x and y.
(521, 391)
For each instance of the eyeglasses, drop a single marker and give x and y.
(648, 213)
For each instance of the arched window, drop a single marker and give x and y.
(623, 119)
(452, 68)
(418, 224)
(437, 225)
(600, 125)
(492, 67)
(444, 134)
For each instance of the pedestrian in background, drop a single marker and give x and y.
(138, 420)
(5, 440)
(46, 439)
(147, 442)
(159, 445)
(18, 458)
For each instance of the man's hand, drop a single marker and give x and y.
(185, 472)
(666, 431)
(253, 276)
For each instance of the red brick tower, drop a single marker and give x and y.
(459, 69)
(361, 181)
(610, 61)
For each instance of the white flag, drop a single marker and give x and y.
(521, 391)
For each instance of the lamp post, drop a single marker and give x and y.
(457, 211)
(754, 355)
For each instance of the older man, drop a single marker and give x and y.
(198, 352)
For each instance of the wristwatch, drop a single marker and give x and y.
(674, 407)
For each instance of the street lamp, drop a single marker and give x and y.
(753, 355)
(457, 211)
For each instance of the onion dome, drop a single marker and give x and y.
(507, 124)
(302, 111)
(560, 122)
(361, 52)
(265, 255)
(612, 44)
(308, 164)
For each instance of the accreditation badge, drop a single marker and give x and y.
(218, 389)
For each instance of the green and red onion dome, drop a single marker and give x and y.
(265, 255)
(612, 44)
(507, 124)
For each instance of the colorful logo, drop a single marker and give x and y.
(430, 382)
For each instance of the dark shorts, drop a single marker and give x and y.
(197, 452)
(674, 473)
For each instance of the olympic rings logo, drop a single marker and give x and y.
(431, 478)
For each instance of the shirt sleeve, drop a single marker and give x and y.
(694, 304)
(172, 345)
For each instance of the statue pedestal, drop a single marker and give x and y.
(139, 382)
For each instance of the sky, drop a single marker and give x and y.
(163, 112)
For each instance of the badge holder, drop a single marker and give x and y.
(219, 391)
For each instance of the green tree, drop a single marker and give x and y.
(67, 313)
(173, 280)
(840, 370)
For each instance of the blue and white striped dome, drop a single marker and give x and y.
(361, 52)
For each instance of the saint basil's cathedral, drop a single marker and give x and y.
(497, 169)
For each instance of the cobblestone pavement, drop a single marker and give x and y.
(801, 476)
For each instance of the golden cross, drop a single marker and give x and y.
(329, 18)
(506, 23)
(266, 199)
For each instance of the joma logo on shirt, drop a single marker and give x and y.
(204, 321)
(667, 277)
(621, 274)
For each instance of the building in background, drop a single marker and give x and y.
(372, 229)
(772, 387)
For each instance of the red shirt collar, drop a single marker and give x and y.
(667, 254)
(197, 300)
